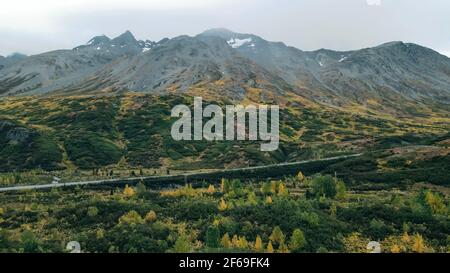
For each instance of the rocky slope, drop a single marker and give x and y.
(229, 64)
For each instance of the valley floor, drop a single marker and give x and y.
(295, 214)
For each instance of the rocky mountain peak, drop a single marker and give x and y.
(125, 38)
(219, 32)
(11, 59)
(97, 40)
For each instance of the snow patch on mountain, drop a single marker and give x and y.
(342, 59)
(235, 43)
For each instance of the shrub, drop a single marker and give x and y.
(324, 186)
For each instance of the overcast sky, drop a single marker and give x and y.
(35, 26)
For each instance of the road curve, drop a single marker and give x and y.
(165, 177)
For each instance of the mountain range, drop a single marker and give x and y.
(388, 77)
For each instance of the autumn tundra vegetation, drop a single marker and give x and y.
(395, 193)
(300, 213)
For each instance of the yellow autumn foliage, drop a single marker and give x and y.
(222, 205)
(150, 216)
(128, 191)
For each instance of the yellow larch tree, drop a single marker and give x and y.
(222, 205)
(225, 241)
(235, 241)
(258, 244)
(418, 244)
(211, 189)
(150, 216)
(269, 247)
(128, 191)
(282, 191)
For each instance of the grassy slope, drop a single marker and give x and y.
(133, 130)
